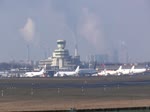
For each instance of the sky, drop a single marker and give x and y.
(98, 27)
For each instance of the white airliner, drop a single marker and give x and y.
(138, 70)
(67, 73)
(121, 71)
(107, 72)
(126, 71)
(111, 72)
(87, 72)
(36, 74)
(130, 71)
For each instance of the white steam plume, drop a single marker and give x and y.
(28, 31)
(91, 29)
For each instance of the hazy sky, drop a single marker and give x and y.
(99, 26)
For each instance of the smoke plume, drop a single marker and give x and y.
(28, 31)
(91, 29)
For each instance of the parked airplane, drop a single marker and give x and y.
(107, 72)
(36, 74)
(67, 73)
(131, 71)
(4, 73)
(111, 72)
(126, 71)
(138, 70)
(87, 72)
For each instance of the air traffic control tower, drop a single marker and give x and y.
(61, 55)
(61, 58)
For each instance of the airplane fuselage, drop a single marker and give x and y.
(33, 74)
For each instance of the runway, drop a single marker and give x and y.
(66, 84)
(75, 82)
(80, 92)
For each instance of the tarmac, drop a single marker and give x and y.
(45, 94)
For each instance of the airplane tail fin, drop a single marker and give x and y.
(132, 69)
(43, 69)
(119, 68)
(77, 69)
(118, 72)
